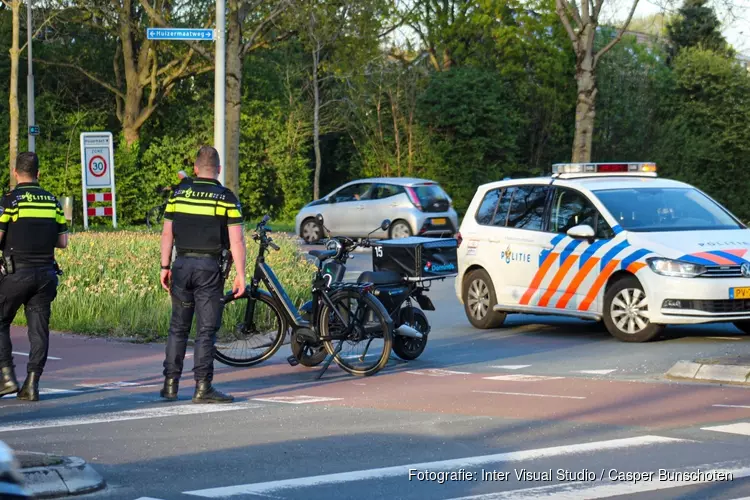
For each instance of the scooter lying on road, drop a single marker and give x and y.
(392, 289)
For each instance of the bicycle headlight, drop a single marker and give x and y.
(333, 244)
(675, 268)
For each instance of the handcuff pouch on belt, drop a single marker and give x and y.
(7, 265)
(225, 263)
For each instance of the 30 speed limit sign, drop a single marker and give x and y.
(98, 173)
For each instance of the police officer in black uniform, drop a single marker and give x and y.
(202, 219)
(32, 225)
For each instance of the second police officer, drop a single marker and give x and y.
(202, 219)
(32, 225)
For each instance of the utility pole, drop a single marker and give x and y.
(30, 119)
(219, 87)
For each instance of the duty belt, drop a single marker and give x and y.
(181, 253)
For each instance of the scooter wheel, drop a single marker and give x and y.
(409, 348)
(306, 354)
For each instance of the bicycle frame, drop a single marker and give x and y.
(264, 274)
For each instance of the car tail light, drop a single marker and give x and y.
(459, 239)
(413, 197)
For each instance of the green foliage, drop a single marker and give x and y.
(632, 79)
(705, 138)
(472, 116)
(696, 25)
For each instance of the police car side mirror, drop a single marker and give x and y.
(582, 232)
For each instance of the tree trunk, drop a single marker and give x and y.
(233, 97)
(13, 99)
(410, 142)
(316, 123)
(396, 131)
(586, 102)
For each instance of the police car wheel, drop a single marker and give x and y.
(311, 232)
(743, 326)
(479, 299)
(625, 312)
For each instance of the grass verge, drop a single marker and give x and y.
(111, 283)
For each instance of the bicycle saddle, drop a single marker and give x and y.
(380, 277)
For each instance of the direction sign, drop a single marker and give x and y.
(98, 172)
(179, 34)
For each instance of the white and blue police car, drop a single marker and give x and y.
(603, 241)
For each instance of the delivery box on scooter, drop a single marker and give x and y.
(417, 256)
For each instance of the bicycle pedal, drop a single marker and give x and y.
(292, 361)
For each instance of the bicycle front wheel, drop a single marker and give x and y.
(249, 335)
(359, 336)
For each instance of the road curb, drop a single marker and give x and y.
(710, 372)
(73, 477)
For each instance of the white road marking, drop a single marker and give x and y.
(587, 490)
(25, 354)
(596, 372)
(531, 394)
(742, 428)
(437, 372)
(43, 391)
(522, 378)
(112, 386)
(733, 406)
(296, 400)
(725, 338)
(511, 367)
(145, 413)
(453, 464)
(147, 498)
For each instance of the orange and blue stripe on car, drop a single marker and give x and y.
(608, 264)
(585, 264)
(546, 259)
(716, 257)
(566, 262)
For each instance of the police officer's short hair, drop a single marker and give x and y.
(27, 164)
(207, 158)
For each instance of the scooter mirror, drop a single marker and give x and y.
(385, 224)
(319, 219)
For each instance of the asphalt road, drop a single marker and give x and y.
(541, 408)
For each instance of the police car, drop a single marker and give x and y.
(603, 241)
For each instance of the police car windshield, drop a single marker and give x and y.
(665, 209)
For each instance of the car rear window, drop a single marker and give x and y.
(430, 193)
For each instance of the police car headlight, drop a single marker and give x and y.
(675, 268)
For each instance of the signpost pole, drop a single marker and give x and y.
(30, 119)
(219, 87)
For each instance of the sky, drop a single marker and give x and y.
(736, 19)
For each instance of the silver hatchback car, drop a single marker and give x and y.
(414, 206)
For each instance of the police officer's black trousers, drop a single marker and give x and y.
(34, 288)
(197, 287)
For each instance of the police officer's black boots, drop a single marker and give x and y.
(30, 389)
(8, 382)
(206, 393)
(171, 385)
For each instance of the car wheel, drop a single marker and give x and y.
(400, 229)
(743, 326)
(625, 312)
(310, 231)
(479, 299)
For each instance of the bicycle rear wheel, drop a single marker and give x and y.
(361, 332)
(244, 341)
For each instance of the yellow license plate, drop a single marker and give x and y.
(439, 222)
(739, 293)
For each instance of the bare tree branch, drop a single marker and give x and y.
(617, 38)
(90, 76)
(566, 23)
(573, 11)
(47, 20)
(280, 8)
